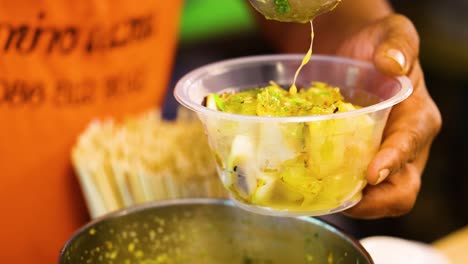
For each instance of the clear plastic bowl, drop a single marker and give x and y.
(293, 166)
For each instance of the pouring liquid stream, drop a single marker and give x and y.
(305, 60)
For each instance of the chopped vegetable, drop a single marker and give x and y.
(292, 165)
(282, 6)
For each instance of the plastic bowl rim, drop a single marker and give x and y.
(182, 87)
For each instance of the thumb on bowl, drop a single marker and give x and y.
(399, 46)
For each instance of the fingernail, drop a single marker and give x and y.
(382, 175)
(398, 57)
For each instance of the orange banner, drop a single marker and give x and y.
(62, 64)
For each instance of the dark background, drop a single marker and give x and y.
(442, 205)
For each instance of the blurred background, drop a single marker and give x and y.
(213, 30)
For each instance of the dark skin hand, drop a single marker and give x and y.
(391, 42)
(394, 174)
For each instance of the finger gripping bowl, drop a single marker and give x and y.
(293, 166)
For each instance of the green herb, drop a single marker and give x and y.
(219, 103)
(282, 6)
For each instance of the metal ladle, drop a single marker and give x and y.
(301, 11)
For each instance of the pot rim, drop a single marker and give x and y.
(207, 201)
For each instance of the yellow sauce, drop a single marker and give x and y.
(305, 60)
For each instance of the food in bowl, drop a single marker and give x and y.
(293, 165)
(311, 173)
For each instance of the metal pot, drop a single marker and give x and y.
(208, 231)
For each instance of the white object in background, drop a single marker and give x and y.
(392, 250)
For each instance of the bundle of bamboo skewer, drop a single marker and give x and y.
(144, 158)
